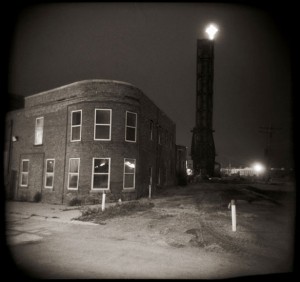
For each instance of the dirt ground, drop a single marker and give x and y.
(185, 234)
(198, 216)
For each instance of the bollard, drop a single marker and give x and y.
(233, 215)
(150, 191)
(103, 201)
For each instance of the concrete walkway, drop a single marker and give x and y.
(50, 212)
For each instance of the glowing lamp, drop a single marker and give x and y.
(211, 30)
(258, 167)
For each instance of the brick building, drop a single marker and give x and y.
(82, 139)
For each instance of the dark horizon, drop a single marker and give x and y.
(153, 46)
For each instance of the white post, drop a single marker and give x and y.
(150, 191)
(233, 215)
(103, 201)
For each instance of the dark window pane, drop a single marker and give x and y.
(151, 129)
(76, 118)
(130, 134)
(73, 181)
(24, 179)
(74, 165)
(101, 165)
(102, 131)
(129, 181)
(49, 180)
(50, 166)
(129, 166)
(103, 116)
(25, 166)
(75, 133)
(131, 119)
(100, 181)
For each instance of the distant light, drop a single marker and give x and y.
(211, 30)
(258, 167)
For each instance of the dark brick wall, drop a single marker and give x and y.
(53, 147)
(56, 107)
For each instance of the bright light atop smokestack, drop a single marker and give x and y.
(211, 30)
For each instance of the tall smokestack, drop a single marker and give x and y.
(203, 147)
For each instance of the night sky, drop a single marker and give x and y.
(153, 46)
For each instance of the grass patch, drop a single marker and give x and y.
(124, 209)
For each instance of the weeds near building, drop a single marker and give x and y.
(97, 215)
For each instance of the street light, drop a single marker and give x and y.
(259, 168)
(211, 30)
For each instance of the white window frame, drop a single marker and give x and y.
(24, 172)
(159, 135)
(73, 173)
(134, 173)
(77, 125)
(49, 174)
(106, 124)
(36, 141)
(93, 173)
(151, 129)
(135, 127)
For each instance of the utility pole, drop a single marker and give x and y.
(269, 131)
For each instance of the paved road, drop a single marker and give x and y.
(52, 249)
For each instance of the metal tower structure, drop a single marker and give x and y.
(269, 131)
(203, 147)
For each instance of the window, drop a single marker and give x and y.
(159, 135)
(39, 127)
(101, 173)
(49, 176)
(129, 173)
(76, 117)
(130, 127)
(73, 179)
(102, 129)
(24, 172)
(151, 129)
